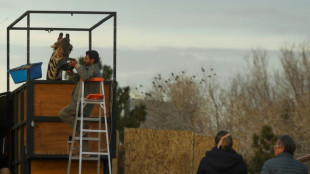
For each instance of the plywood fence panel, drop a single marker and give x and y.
(202, 144)
(158, 151)
(165, 151)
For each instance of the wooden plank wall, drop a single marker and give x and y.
(165, 151)
(50, 137)
(53, 166)
(49, 99)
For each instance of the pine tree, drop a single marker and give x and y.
(131, 119)
(263, 149)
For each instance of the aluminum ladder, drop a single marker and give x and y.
(96, 99)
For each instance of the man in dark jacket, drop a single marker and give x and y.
(222, 159)
(284, 163)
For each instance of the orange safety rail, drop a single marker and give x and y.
(95, 96)
(95, 79)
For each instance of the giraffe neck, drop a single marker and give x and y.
(54, 73)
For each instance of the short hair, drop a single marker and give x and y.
(288, 143)
(93, 54)
(219, 135)
(227, 142)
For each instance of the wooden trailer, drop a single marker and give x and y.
(39, 136)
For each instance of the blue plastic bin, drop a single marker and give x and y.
(19, 74)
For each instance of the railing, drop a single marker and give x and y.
(304, 158)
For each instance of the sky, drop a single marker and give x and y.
(160, 36)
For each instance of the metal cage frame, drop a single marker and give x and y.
(29, 28)
(27, 87)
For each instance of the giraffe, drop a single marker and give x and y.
(62, 48)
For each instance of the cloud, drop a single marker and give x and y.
(6, 5)
(166, 36)
(140, 66)
(135, 67)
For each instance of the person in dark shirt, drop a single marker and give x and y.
(222, 159)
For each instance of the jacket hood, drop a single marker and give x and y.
(223, 160)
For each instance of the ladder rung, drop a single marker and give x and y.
(93, 130)
(87, 138)
(94, 153)
(86, 158)
(89, 118)
(88, 101)
(102, 150)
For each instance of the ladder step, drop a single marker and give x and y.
(88, 101)
(93, 130)
(94, 153)
(104, 150)
(86, 158)
(87, 138)
(95, 96)
(89, 118)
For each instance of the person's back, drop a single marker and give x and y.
(283, 162)
(222, 159)
(218, 161)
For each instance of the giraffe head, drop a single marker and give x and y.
(62, 48)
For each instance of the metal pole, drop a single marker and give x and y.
(114, 49)
(114, 84)
(29, 99)
(28, 46)
(8, 59)
(89, 40)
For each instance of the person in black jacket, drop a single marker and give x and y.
(222, 159)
